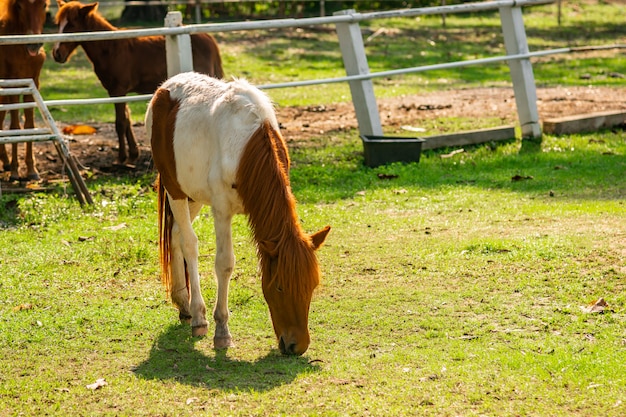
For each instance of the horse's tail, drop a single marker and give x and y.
(166, 221)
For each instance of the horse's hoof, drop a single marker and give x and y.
(132, 159)
(33, 177)
(6, 167)
(200, 330)
(14, 178)
(184, 318)
(223, 342)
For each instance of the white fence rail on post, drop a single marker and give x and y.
(177, 47)
(517, 54)
(355, 63)
(521, 71)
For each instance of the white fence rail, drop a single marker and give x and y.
(353, 52)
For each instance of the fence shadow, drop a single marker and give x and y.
(174, 356)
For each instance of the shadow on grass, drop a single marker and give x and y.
(174, 357)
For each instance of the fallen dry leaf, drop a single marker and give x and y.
(98, 384)
(79, 130)
(597, 306)
(25, 306)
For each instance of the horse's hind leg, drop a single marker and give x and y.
(188, 244)
(29, 123)
(133, 149)
(179, 287)
(121, 126)
(179, 290)
(124, 130)
(224, 264)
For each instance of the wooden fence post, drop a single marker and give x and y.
(521, 71)
(355, 62)
(177, 47)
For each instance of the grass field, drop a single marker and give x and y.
(455, 286)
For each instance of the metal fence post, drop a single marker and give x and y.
(355, 62)
(521, 71)
(177, 47)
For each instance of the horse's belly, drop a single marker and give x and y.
(220, 197)
(215, 187)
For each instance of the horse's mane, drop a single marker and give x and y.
(264, 188)
(96, 21)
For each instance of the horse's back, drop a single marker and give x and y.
(214, 121)
(206, 55)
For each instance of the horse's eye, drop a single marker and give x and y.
(279, 289)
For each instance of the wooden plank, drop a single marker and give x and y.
(470, 137)
(584, 122)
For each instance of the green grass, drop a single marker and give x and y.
(449, 290)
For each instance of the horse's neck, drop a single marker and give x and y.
(93, 49)
(98, 23)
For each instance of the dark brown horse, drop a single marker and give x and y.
(123, 66)
(21, 17)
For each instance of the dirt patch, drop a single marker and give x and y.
(299, 124)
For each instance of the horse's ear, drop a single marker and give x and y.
(269, 248)
(88, 8)
(61, 3)
(318, 238)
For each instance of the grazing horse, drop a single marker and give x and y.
(219, 144)
(123, 66)
(21, 17)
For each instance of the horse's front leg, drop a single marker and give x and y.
(224, 264)
(4, 157)
(29, 123)
(14, 125)
(188, 242)
(121, 126)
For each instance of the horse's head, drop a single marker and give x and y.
(290, 274)
(71, 18)
(30, 17)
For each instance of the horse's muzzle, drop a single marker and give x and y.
(61, 59)
(291, 348)
(34, 48)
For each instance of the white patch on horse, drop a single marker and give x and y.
(62, 25)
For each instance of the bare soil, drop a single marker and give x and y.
(97, 152)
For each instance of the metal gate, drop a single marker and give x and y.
(19, 87)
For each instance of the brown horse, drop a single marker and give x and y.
(21, 17)
(219, 144)
(123, 66)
